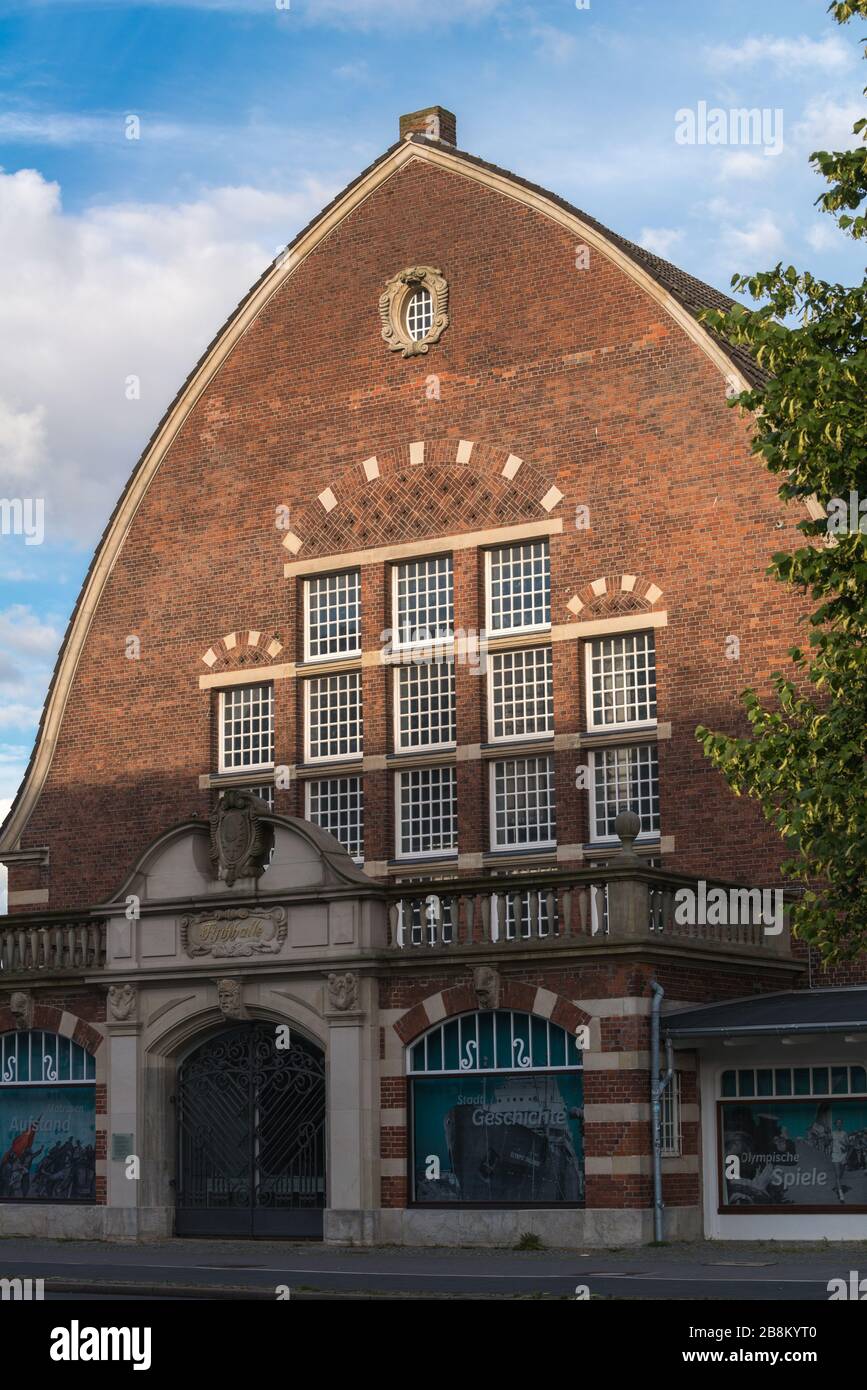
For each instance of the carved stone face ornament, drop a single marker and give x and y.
(121, 1001)
(486, 984)
(240, 841)
(230, 998)
(343, 991)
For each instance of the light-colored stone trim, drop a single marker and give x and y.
(392, 1167)
(375, 762)
(653, 593)
(465, 449)
(553, 497)
(393, 1117)
(467, 540)
(621, 1165)
(371, 469)
(575, 605)
(595, 627)
(599, 587)
(616, 1061)
(284, 266)
(617, 1112)
(376, 868)
(327, 499)
(627, 583)
(563, 742)
(249, 676)
(68, 1024)
(468, 752)
(27, 897)
(511, 466)
(416, 452)
(570, 853)
(666, 844)
(435, 1009)
(544, 1003)
(475, 860)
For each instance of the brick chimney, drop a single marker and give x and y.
(434, 121)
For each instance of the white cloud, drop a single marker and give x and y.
(830, 54)
(89, 299)
(660, 240)
(823, 236)
(740, 164)
(827, 124)
(553, 44)
(760, 240)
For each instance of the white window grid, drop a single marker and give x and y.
(624, 779)
(40, 1058)
(333, 720)
(621, 681)
(336, 804)
(419, 314)
(246, 727)
(522, 803)
(428, 921)
(423, 601)
(520, 925)
(521, 693)
(518, 580)
(501, 1040)
(424, 705)
(332, 616)
(670, 1123)
(427, 813)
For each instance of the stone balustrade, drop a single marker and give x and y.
(28, 947)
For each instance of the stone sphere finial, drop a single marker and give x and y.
(627, 827)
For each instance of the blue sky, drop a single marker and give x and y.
(122, 257)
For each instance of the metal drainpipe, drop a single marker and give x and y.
(657, 1087)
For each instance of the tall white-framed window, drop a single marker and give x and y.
(670, 1122)
(520, 693)
(332, 616)
(427, 812)
(621, 681)
(522, 803)
(337, 805)
(419, 314)
(424, 705)
(518, 588)
(423, 601)
(333, 722)
(246, 735)
(624, 779)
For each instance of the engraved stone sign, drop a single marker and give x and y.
(234, 931)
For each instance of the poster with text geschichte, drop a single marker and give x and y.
(499, 1138)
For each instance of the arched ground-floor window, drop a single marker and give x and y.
(497, 1104)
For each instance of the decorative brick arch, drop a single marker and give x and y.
(244, 647)
(413, 491)
(49, 1018)
(610, 595)
(514, 994)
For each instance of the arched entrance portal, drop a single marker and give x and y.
(251, 1136)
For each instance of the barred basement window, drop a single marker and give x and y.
(621, 680)
(425, 705)
(521, 693)
(419, 314)
(751, 1082)
(337, 805)
(522, 803)
(423, 601)
(427, 812)
(333, 718)
(332, 622)
(624, 779)
(670, 1125)
(246, 727)
(519, 587)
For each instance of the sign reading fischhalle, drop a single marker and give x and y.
(234, 931)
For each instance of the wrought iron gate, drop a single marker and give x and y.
(251, 1136)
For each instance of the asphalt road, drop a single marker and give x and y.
(254, 1270)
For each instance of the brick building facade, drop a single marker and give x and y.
(440, 550)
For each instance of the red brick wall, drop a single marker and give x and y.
(580, 373)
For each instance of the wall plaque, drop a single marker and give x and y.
(234, 931)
